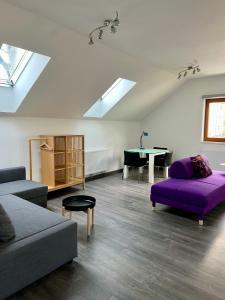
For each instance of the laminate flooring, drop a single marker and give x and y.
(137, 253)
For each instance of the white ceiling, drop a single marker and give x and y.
(156, 38)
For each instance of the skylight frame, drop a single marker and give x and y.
(19, 68)
(114, 94)
(111, 87)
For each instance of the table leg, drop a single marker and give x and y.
(93, 216)
(63, 211)
(151, 169)
(88, 222)
(166, 172)
(125, 172)
(141, 170)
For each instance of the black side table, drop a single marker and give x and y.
(80, 203)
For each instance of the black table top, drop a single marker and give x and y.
(79, 202)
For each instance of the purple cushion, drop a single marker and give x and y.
(200, 166)
(182, 169)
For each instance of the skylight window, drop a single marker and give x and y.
(110, 98)
(13, 60)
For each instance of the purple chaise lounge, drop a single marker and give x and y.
(184, 191)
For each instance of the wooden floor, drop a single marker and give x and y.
(136, 253)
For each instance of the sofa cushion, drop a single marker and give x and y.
(12, 174)
(200, 166)
(25, 189)
(200, 192)
(27, 218)
(7, 231)
(181, 169)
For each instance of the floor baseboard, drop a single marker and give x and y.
(101, 175)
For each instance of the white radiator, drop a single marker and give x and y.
(97, 161)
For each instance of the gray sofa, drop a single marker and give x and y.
(13, 181)
(44, 240)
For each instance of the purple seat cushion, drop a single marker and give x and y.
(182, 169)
(200, 192)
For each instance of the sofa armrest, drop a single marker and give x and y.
(12, 174)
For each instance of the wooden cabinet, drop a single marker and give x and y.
(62, 161)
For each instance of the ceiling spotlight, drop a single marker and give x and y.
(100, 34)
(112, 23)
(113, 29)
(116, 21)
(91, 42)
(189, 69)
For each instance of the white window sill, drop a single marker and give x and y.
(209, 142)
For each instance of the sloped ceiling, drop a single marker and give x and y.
(154, 41)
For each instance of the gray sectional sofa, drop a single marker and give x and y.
(13, 181)
(44, 240)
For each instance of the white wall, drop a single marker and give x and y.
(177, 122)
(106, 138)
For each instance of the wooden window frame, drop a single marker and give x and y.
(206, 120)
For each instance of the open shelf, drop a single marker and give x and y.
(64, 165)
(58, 152)
(60, 168)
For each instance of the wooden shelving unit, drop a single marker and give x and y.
(62, 161)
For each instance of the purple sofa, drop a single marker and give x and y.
(186, 192)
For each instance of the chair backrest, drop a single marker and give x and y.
(168, 158)
(163, 160)
(131, 158)
(161, 148)
(162, 155)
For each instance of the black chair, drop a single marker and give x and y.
(133, 159)
(164, 160)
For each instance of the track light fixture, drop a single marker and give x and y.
(190, 69)
(113, 23)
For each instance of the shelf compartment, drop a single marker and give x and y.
(74, 143)
(76, 157)
(60, 143)
(75, 173)
(60, 160)
(60, 177)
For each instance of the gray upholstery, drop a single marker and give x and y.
(41, 201)
(12, 174)
(25, 189)
(34, 219)
(13, 181)
(7, 231)
(44, 241)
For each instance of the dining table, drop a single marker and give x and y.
(151, 153)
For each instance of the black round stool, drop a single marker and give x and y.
(80, 203)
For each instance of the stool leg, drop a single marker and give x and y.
(93, 216)
(63, 211)
(153, 205)
(88, 222)
(200, 222)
